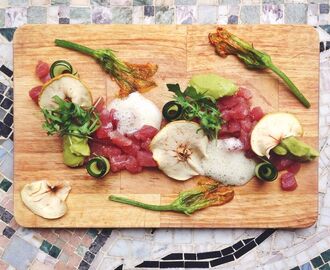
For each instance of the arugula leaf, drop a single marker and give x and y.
(200, 107)
(175, 88)
(70, 119)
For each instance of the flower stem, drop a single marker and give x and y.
(152, 207)
(74, 46)
(293, 88)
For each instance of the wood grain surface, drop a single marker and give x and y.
(180, 51)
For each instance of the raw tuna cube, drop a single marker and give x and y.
(288, 181)
(145, 159)
(119, 139)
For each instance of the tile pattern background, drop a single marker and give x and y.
(22, 248)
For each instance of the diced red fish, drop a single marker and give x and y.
(146, 132)
(238, 116)
(35, 92)
(280, 162)
(132, 165)
(118, 162)
(244, 93)
(288, 181)
(42, 71)
(294, 168)
(145, 159)
(119, 139)
(257, 113)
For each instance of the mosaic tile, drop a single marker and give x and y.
(306, 266)
(295, 13)
(60, 2)
(273, 2)
(37, 15)
(80, 2)
(104, 3)
(3, 3)
(5, 184)
(149, 11)
(325, 267)
(317, 261)
(142, 2)
(185, 2)
(89, 257)
(272, 14)
(19, 253)
(324, 8)
(121, 2)
(6, 217)
(326, 255)
(101, 15)
(54, 251)
(8, 33)
(2, 17)
(45, 246)
(83, 266)
(18, 3)
(186, 14)
(230, 2)
(63, 20)
(207, 14)
(15, 16)
(250, 14)
(164, 15)
(121, 14)
(80, 15)
(8, 232)
(40, 2)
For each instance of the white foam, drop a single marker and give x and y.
(230, 167)
(135, 111)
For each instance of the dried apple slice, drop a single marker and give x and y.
(179, 148)
(65, 86)
(271, 129)
(46, 200)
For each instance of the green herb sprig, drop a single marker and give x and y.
(70, 119)
(200, 107)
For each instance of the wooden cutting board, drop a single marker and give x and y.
(180, 51)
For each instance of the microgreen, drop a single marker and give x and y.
(70, 119)
(200, 107)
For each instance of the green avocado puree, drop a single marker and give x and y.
(213, 85)
(75, 149)
(296, 148)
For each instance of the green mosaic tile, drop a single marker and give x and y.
(250, 14)
(121, 14)
(164, 15)
(325, 267)
(326, 255)
(54, 251)
(5, 184)
(37, 15)
(60, 2)
(80, 15)
(92, 232)
(2, 17)
(185, 2)
(142, 2)
(317, 261)
(295, 13)
(18, 3)
(45, 246)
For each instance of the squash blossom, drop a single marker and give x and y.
(129, 77)
(226, 43)
(207, 193)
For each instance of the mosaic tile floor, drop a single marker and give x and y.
(22, 248)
